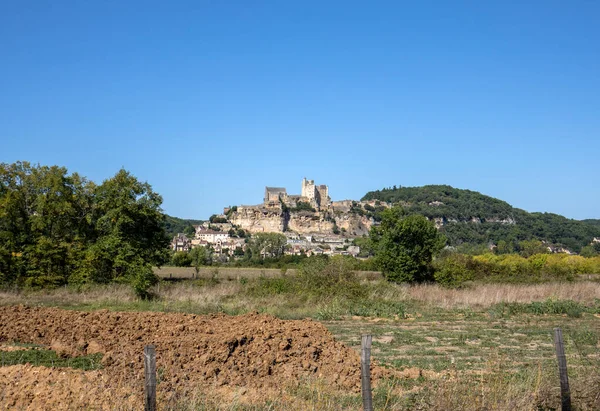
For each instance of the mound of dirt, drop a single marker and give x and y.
(42, 388)
(258, 352)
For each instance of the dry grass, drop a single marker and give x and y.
(210, 295)
(482, 296)
(192, 293)
(111, 294)
(236, 273)
(224, 273)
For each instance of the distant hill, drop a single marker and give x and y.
(470, 217)
(594, 222)
(174, 225)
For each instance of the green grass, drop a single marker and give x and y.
(48, 358)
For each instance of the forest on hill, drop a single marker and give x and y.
(474, 218)
(175, 225)
(592, 221)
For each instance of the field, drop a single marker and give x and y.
(235, 273)
(488, 347)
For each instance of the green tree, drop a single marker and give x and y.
(505, 247)
(181, 259)
(405, 245)
(267, 245)
(531, 247)
(588, 251)
(200, 257)
(44, 223)
(129, 225)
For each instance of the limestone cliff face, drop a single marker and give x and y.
(258, 220)
(442, 221)
(354, 224)
(306, 223)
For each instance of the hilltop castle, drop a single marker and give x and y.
(316, 196)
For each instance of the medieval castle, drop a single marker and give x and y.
(316, 196)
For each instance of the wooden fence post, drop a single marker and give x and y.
(365, 372)
(149, 378)
(565, 393)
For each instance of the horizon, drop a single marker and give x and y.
(211, 102)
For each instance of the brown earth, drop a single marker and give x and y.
(257, 355)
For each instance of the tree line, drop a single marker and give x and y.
(58, 228)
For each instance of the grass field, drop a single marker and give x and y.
(487, 347)
(235, 273)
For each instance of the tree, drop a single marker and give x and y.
(181, 259)
(267, 245)
(129, 225)
(44, 223)
(589, 251)
(531, 247)
(404, 246)
(200, 257)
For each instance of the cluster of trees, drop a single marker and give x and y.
(174, 226)
(260, 247)
(58, 228)
(451, 204)
(215, 219)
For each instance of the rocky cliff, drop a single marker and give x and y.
(256, 219)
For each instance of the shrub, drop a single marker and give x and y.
(323, 276)
(181, 259)
(454, 270)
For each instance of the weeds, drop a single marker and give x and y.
(550, 306)
(48, 358)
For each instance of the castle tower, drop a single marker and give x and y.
(323, 199)
(308, 190)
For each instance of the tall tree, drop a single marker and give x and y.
(405, 245)
(44, 223)
(200, 256)
(129, 225)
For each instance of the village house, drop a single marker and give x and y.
(211, 236)
(181, 243)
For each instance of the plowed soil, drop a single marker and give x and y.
(255, 355)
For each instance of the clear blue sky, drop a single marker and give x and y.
(209, 101)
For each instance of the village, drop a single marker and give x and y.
(311, 223)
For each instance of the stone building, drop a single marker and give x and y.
(181, 243)
(210, 236)
(273, 196)
(316, 196)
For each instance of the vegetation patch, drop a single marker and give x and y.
(48, 358)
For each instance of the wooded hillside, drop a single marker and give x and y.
(471, 217)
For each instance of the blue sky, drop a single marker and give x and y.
(209, 101)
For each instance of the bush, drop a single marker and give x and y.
(181, 259)
(266, 286)
(323, 276)
(550, 306)
(454, 270)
